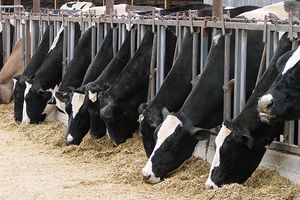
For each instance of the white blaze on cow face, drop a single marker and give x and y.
(276, 9)
(54, 43)
(93, 96)
(70, 138)
(216, 38)
(266, 99)
(25, 118)
(167, 128)
(293, 60)
(222, 135)
(77, 102)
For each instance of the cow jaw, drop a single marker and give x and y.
(77, 102)
(167, 128)
(222, 135)
(25, 118)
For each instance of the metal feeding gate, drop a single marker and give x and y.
(201, 28)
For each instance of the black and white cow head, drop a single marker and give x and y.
(120, 124)
(282, 100)
(79, 119)
(175, 143)
(149, 119)
(35, 108)
(237, 156)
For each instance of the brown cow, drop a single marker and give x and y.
(13, 67)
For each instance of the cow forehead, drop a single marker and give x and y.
(77, 102)
(168, 127)
(222, 135)
(292, 61)
(53, 45)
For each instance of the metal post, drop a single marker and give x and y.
(152, 67)
(217, 7)
(94, 43)
(51, 34)
(119, 35)
(34, 35)
(269, 50)
(243, 68)
(158, 54)
(100, 35)
(162, 54)
(132, 42)
(7, 39)
(123, 32)
(204, 48)
(115, 41)
(237, 73)
(65, 48)
(195, 54)
(227, 92)
(109, 6)
(36, 6)
(138, 35)
(71, 41)
(27, 43)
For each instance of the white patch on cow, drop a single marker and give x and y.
(49, 107)
(167, 128)
(276, 9)
(216, 38)
(293, 60)
(224, 132)
(25, 118)
(70, 138)
(59, 104)
(266, 99)
(76, 5)
(77, 102)
(15, 82)
(141, 118)
(54, 43)
(93, 96)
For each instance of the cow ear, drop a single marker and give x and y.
(63, 97)
(200, 133)
(107, 112)
(142, 107)
(165, 112)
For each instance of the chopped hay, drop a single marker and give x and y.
(122, 165)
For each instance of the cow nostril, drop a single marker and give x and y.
(270, 104)
(146, 178)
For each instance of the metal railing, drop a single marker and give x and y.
(201, 27)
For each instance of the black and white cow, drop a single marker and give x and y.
(178, 135)
(171, 94)
(76, 69)
(88, 116)
(29, 73)
(121, 101)
(240, 144)
(39, 89)
(281, 101)
(74, 100)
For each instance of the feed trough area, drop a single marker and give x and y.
(35, 164)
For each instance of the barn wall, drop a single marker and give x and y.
(236, 3)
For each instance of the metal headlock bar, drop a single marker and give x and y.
(202, 29)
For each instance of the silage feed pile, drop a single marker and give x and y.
(122, 165)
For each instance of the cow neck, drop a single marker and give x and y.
(137, 71)
(250, 114)
(207, 95)
(101, 60)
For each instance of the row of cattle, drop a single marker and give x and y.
(107, 95)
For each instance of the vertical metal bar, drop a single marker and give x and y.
(4, 33)
(27, 44)
(93, 41)
(115, 41)
(109, 6)
(119, 35)
(217, 7)
(72, 41)
(243, 68)
(162, 54)
(69, 42)
(8, 39)
(65, 45)
(34, 35)
(123, 32)
(132, 42)
(143, 30)
(152, 67)
(195, 54)
(204, 47)
(275, 40)
(179, 39)
(54, 30)
(23, 33)
(100, 35)
(227, 92)
(237, 73)
(51, 34)
(105, 29)
(158, 54)
(138, 35)
(269, 50)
